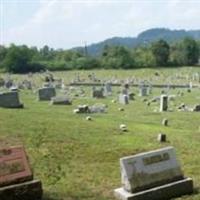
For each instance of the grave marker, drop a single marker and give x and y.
(45, 94)
(123, 99)
(163, 103)
(10, 100)
(153, 175)
(16, 177)
(14, 167)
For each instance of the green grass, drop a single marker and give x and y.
(78, 159)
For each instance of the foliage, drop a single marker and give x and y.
(116, 57)
(18, 59)
(160, 50)
(22, 59)
(185, 52)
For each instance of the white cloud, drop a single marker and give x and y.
(67, 23)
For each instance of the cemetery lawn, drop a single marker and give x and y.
(78, 159)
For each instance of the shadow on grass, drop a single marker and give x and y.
(196, 190)
(49, 197)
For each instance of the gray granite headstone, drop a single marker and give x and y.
(97, 93)
(153, 175)
(45, 94)
(143, 91)
(108, 89)
(60, 100)
(10, 100)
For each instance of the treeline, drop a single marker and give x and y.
(22, 59)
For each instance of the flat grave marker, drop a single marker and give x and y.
(14, 167)
(16, 177)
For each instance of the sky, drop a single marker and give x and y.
(69, 23)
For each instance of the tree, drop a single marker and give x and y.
(190, 50)
(185, 52)
(116, 57)
(19, 60)
(3, 52)
(161, 51)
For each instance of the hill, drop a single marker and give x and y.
(145, 37)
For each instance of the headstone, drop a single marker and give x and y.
(153, 175)
(45, 94)
(163, 103)
(131, 96)
(88, 118)
(16, 177)
(124, 91)
(196, 108)
(108, 89)
(82, 109)
(8, 83)
(123, 99)
(162, 137)
(165, 122)
(10, 100)
(123, 127)
(97, 93)
(97, 108)
(14, 88)
(60, 100)
(143, 91)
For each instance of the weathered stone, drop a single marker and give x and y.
(82, 109)
(155, 175)
(162, 137)
(151, 169)
(88, 118)
(143, 91)
(165, 122)
(123, 127)
(108, 89)
(10, 100)
(14, 166)
(60, 100)
(196, 108)
(30, 190)
(163, 103)
(123, 99)
(45, 94)
(164, 192)
(97, 93)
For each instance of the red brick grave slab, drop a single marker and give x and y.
(14, 166)
(16, 177)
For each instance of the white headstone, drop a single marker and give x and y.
(147, 170)
(123, 99)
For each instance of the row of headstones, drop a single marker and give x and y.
(154, 175)
(12, 100)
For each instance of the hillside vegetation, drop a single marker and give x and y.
(158, 48)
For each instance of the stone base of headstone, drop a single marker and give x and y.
(14, 106)
(164, 192)
(30, 190)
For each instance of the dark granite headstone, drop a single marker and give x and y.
(10, 100)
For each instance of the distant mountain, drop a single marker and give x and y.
(145, 37)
